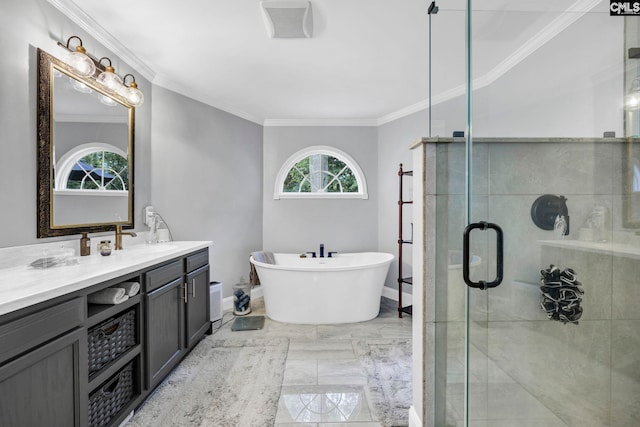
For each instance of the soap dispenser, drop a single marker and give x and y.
(85, 245)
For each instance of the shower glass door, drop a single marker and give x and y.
(557, 342)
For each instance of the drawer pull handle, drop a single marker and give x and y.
(111, 386)
(106, 332)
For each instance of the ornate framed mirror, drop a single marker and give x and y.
(85, 153)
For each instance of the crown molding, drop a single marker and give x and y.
(95, 30)
(546, 34)
(320, 122)
(171, 85)
(559, 24)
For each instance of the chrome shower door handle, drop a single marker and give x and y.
(466, 259)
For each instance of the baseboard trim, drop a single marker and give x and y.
(392, 294)
(414, 419)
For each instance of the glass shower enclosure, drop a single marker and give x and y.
(532, 251)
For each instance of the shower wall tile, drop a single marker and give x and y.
(619, 159)
(566, 367)
(626, 290)
(625, 378)
(580, 208)
(594, 272)
(451, 168)
(521, 257)
(557, 168)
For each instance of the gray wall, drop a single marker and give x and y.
(27, 25)
(394, 140)
(299, 225)
(207, 180)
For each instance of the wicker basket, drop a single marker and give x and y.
(108, 340)
(108, 400)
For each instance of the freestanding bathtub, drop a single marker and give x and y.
(345, 288)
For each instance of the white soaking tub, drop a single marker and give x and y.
(345, 288)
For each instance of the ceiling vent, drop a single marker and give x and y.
(288, 19)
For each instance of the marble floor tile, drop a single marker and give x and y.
(316, 404)
(341, 372)
(323, 349)
(299, 372)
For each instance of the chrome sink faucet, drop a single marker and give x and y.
(119, 234)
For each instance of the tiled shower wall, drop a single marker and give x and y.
(586, 374)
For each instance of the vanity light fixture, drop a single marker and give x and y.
(108, 78)
(79, 60)
(131, 92)
(86, 66)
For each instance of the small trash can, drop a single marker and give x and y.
(241, 299)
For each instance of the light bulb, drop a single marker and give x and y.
(134, 95)
(110, 80)
(79, 86)
(131, 93)
(81, 62)
(107, 101)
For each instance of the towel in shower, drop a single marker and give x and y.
(108, 296)
(130, 288)
(264, 257)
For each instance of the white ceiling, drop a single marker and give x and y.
(367, 62)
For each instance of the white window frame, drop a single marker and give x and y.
(329, 151)
(69, 159)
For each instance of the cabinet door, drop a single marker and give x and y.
(165, 328)
(44, 387)
(197, 305)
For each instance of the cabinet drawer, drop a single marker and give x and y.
(196, 261)
(34, 329)
(163, 275)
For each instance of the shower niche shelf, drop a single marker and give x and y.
(402, 279)
(605, 248)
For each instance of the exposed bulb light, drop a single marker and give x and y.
(108, 78)
(107, 101)
(85, 66)
(79, 60)
(133, 95)
(79, 86)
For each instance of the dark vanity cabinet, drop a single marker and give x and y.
(68, 362)
(177, 312)
(42, 366)
(197, 298)
(165, 324)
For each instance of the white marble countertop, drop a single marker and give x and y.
(22, 286)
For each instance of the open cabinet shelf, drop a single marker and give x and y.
(401, 242)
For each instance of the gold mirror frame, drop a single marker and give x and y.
(45, 173)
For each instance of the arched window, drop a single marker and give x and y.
(320, 172)
(96, 167)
